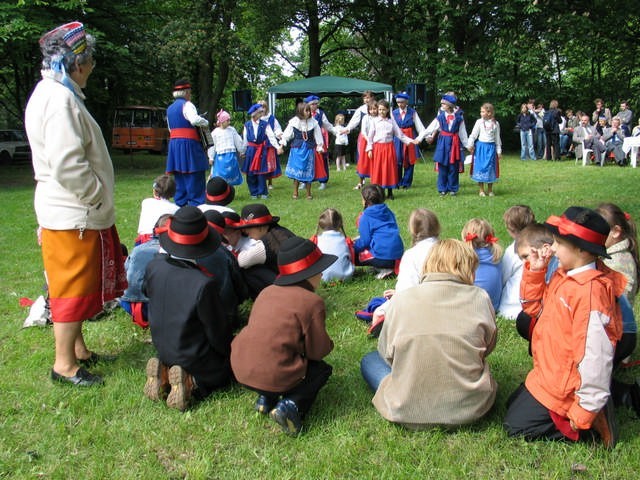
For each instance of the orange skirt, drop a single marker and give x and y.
(82, 273)
(384, 166)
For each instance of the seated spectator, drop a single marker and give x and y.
(587, 136)
(164, 188)
(613, 137)
(430, 367)
(189, 327)
(133, 300)
(515, 218)
(219, 195)
(331, 238)
(566, 133)
(260, 259)
(479, 233)
(279, 354)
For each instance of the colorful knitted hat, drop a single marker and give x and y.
(74, 36)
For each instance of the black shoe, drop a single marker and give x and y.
(82, 378)
(287, 416)
(634, 393)
(94, 359)
(264, 404)
(606, 426)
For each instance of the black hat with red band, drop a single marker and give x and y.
(219, 192)
(256, 215)
(583, 227)
(187, 234)
(299, 259)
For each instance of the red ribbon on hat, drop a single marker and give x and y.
(568, 227)
(470, 237)
(216, 227)
(222, 196)
(182, 239)
(299, 265)
(260, 220)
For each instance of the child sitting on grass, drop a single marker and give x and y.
(576, 324)
(379, 244)
(279, 353)
(330, 238)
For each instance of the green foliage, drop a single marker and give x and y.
(51, 431)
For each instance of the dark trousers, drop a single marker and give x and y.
(257, 184)
(190, 188)
(528, 418)
(553, 146)
(448, 177)
(305, 393)
(405, 175)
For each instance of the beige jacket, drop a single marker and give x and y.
(436, 337)
(70, 159)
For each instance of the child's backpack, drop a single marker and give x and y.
(549, 121)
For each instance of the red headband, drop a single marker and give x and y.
(181, 239)
(299, 265)
(222, 196)
(568, 227)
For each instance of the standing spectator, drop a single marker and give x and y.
(626, 117)
(186, 159)
(551, 123)
(74, 201)
(540, 139)
(526, 122)
(410, 124)
(600, 111)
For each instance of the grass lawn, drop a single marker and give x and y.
(54, 431)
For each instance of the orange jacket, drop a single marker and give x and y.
(573, 342)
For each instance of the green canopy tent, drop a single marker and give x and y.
(326, 86)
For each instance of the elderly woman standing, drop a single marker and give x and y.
(73, 199)
(430, 367)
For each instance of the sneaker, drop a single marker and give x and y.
(442, 194)
(384, 273)
(452, 194)
(605, 425)
(264, 197)
(322, 186)
(264, 404)
(301, 186)
(270, 187)
(491, 194)
(358, 186)
(181, 388)
(157, 385)
(287, 416)
(482, 194)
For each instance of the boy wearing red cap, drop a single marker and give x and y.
(576, 324)
(279, 353)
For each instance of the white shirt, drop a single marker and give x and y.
(382, 130)
(152, 209)
(191, 114)
(487, 131)
(306, 125)
(511, 266)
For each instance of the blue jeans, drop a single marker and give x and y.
(540, 142)
(526, 145)
(374, 369)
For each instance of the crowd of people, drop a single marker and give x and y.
(553, 133)
(568, 282)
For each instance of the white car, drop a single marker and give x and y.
(14, 146)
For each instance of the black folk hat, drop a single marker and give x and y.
(583, 227)
(219, 192)
(187, 234)
(299, 259)
(215, 220)
(256, 215)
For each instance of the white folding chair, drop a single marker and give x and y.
(585, 155)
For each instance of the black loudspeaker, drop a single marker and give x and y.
(241, 100)
(417, 93)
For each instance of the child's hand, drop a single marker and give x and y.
(280, 151)
(370, 154)
(429, 139)
(539, 258)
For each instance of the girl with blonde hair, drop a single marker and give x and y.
(480, 235)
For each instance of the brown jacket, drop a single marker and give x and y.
(286, 327)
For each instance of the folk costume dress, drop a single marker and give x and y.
(486, 138)
(186, 159)
(362, 118)
(227, 144)
(410, 124)
(449, 155)
(260, 160)
(305, 159)
(277, 130)
(325, 128)
(380, 141)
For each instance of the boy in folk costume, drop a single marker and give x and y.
(260, 161)
(279, 354)
(448, 156)
(410, 124)
(575, 326)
